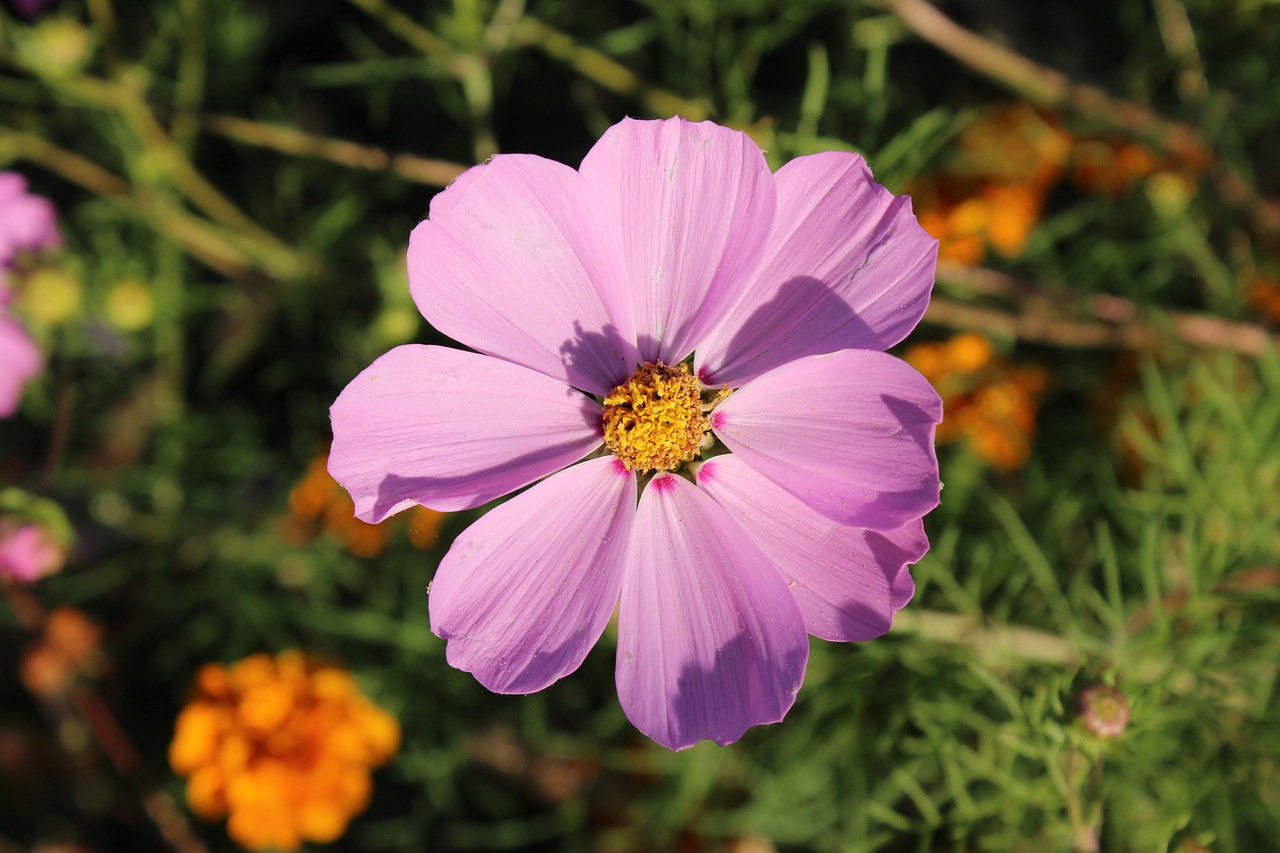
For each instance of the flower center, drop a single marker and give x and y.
(654, 421)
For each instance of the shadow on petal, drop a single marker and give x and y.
(587, 349)
(917, 422)
(859, 619)
(805, 317)
(740, 690)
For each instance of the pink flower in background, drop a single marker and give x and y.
(28, 223)
(781, 474)
(20, 362)
(30, 8)
(28, 552)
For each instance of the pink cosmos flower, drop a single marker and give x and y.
(774, 489)
(28, 552)
(28, 223)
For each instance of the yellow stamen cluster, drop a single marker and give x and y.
(283, 747)
(655, 420)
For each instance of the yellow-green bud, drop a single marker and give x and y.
(129, 305)
(49, 296)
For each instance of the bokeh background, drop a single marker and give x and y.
(1090, 660)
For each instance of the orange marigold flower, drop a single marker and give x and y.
(1263, 296)
(1015, 210)
(317, 503)
(966, 249)
(67, 648)
(968, 352)
(959, 227)
(991, 196)
(967, 219)
(1014, 143)
(283, 747)
(1111, 168)
(988, 403)
(424, 526)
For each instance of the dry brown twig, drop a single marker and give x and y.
(291, 140)
(234, 255)
(1054, 90)
(1113, 321)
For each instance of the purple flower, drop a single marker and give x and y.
(781, 481)
(28, 223)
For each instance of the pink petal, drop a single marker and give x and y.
(847, 267)
(850, 433)
(709, 641)
(526, 591)
(28, 552)
(693, 203)
(20, 361)
(27, 222)
(848, 581)
(518, 261)
(452, 430)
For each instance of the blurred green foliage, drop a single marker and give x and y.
(1140, 546)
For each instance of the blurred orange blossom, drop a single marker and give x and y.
(283, 747)
(988, 403)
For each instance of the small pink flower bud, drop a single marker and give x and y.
(1104, 712)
